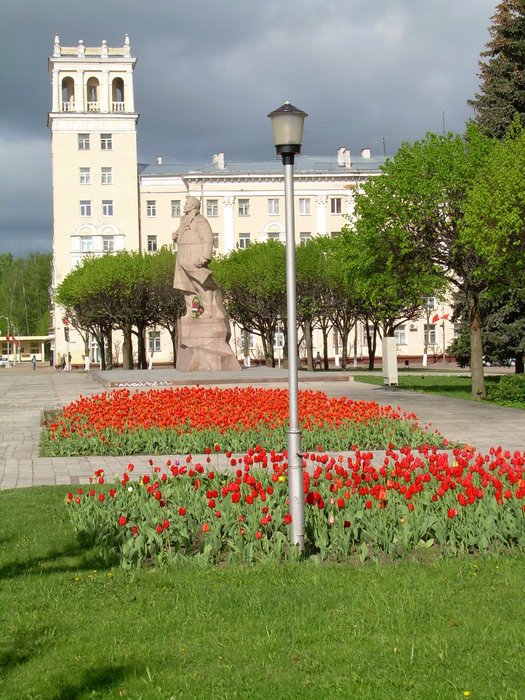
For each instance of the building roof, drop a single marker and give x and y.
(303, 164)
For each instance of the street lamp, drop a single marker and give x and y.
(287, 126)
(7, 338)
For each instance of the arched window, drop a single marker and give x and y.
(68, 95)
(117, 95)
(93, 104)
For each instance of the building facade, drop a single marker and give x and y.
(105, 201)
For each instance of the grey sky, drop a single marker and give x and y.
(209, 71)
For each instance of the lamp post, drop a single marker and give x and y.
(287, 126)
(7, 338)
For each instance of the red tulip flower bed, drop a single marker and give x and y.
(464, 502)
(187, 419)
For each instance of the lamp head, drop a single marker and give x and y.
(287, 126)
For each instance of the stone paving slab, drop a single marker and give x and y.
(25, 394)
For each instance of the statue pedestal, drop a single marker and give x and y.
(203, 345)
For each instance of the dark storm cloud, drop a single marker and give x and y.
(209, 71)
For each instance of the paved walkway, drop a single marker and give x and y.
(25, 393)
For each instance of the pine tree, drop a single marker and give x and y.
(502, 87)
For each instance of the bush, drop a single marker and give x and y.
(510, 389)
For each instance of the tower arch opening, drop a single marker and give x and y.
(68, 94)
(117, 95)
(93, 89)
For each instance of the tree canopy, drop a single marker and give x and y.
(502, 88)
(253, 284)
(494, 222)
(24, 291)
(411, 216)
(129, 291)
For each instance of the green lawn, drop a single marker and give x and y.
(456, 386)
(73, 629)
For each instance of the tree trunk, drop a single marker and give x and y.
(344, 348)
(519, 363)
(325, 349)
(175, 343)
(476, 347)
(102, 349)
(309, 346)
(372, 344)
(127, 348)
(141, 348)
(109, 356)
(267, 343)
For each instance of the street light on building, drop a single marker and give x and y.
(287, 126)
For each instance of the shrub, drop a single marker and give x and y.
(510, 389)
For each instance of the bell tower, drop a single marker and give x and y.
(93, 127)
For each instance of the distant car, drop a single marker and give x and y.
(487, 362)
(3, 362)
(509, 362)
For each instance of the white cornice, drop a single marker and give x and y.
(107, 121)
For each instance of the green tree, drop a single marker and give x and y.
(311, 268)
(253, 284)
(494, 221)
(170, 302)
(24, 291)
(503, 331)
(128, 291)
(502, 89)
(413, 213)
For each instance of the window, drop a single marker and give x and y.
(85, 176)
(273, 206)
(86, 244)
(92, 91)
(151, 207)
(244, 240)
(278, 339)
(335, 234)
(83, 142)
(244, 207)
(430, 303)
(85, 207)
(274, 236)
(212, 207)
(400, 334)
(215, 241)
(304, 237)
(108, 244)
(248, 339)
(304, 205)
(372, 333)
(335, 205)
(106, 142)
(175, 207)
(34, 348)
(107, 176)
(154, 341)
(430, 334)
(107, 207)
(152, 244)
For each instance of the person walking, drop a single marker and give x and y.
(33, 360)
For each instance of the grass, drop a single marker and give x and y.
(73, 629)
(454, 386)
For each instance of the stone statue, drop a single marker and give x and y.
(204, 332)
(194, 240)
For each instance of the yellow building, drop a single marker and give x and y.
(104, 201)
